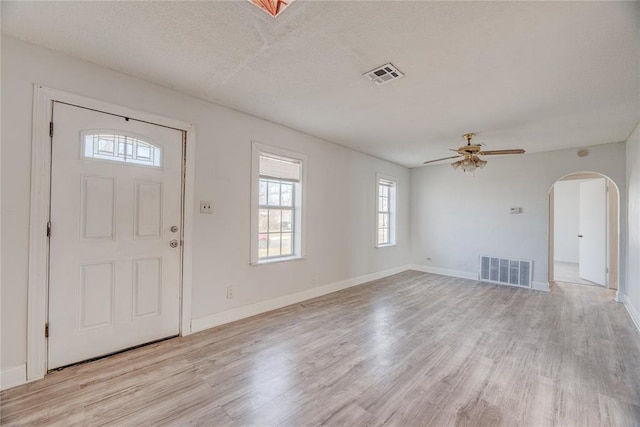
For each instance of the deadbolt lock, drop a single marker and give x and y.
(174, 228)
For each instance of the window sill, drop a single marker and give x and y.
(276, 260)
(388, 245)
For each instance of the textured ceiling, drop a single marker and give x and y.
(533, 75)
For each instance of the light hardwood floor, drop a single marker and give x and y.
(412, 349)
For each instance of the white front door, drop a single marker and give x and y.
(116, 203)
(593, 231)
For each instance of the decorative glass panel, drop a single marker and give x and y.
(143, 152)
(105, 147)
(120, 148)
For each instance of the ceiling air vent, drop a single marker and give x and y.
(383, 74)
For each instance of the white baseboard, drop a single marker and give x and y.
(635, 316)
(444, 271)
(540, 286)
(13, 376)
(232, 315)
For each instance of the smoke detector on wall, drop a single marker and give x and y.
(383, 74)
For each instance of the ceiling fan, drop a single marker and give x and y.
(470, 152)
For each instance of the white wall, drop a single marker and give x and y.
(633, 222)
(340, 190)
(566, 220)
(456, 216)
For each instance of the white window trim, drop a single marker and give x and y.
(300, 241)
(393, 220)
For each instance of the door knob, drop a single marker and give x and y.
(173, 243)
(174, 228)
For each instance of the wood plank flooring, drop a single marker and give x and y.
(409, 350)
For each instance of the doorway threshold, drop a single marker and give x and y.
(104, 356)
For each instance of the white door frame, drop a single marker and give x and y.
(38, 285)
(551, 227)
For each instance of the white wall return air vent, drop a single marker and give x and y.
(514, 272)
(383, 74)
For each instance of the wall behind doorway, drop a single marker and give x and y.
(566, 226)
(566, 221)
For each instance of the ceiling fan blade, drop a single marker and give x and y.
(437, 160)
(492, 152)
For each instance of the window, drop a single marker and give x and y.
(277, 205)
(119, 148)
(385, 211)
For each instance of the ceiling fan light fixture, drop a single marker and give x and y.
(468, 155)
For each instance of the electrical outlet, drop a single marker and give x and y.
(206, 207)
(229, 292)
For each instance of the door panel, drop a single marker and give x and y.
(593, 229)
(97, 211)
(148, 210)
(96, 294)
(147, 286)
(116, 190)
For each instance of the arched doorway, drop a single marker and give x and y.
(584, 214)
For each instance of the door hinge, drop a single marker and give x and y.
(46, 330)
(49, 229)
(51, 129)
